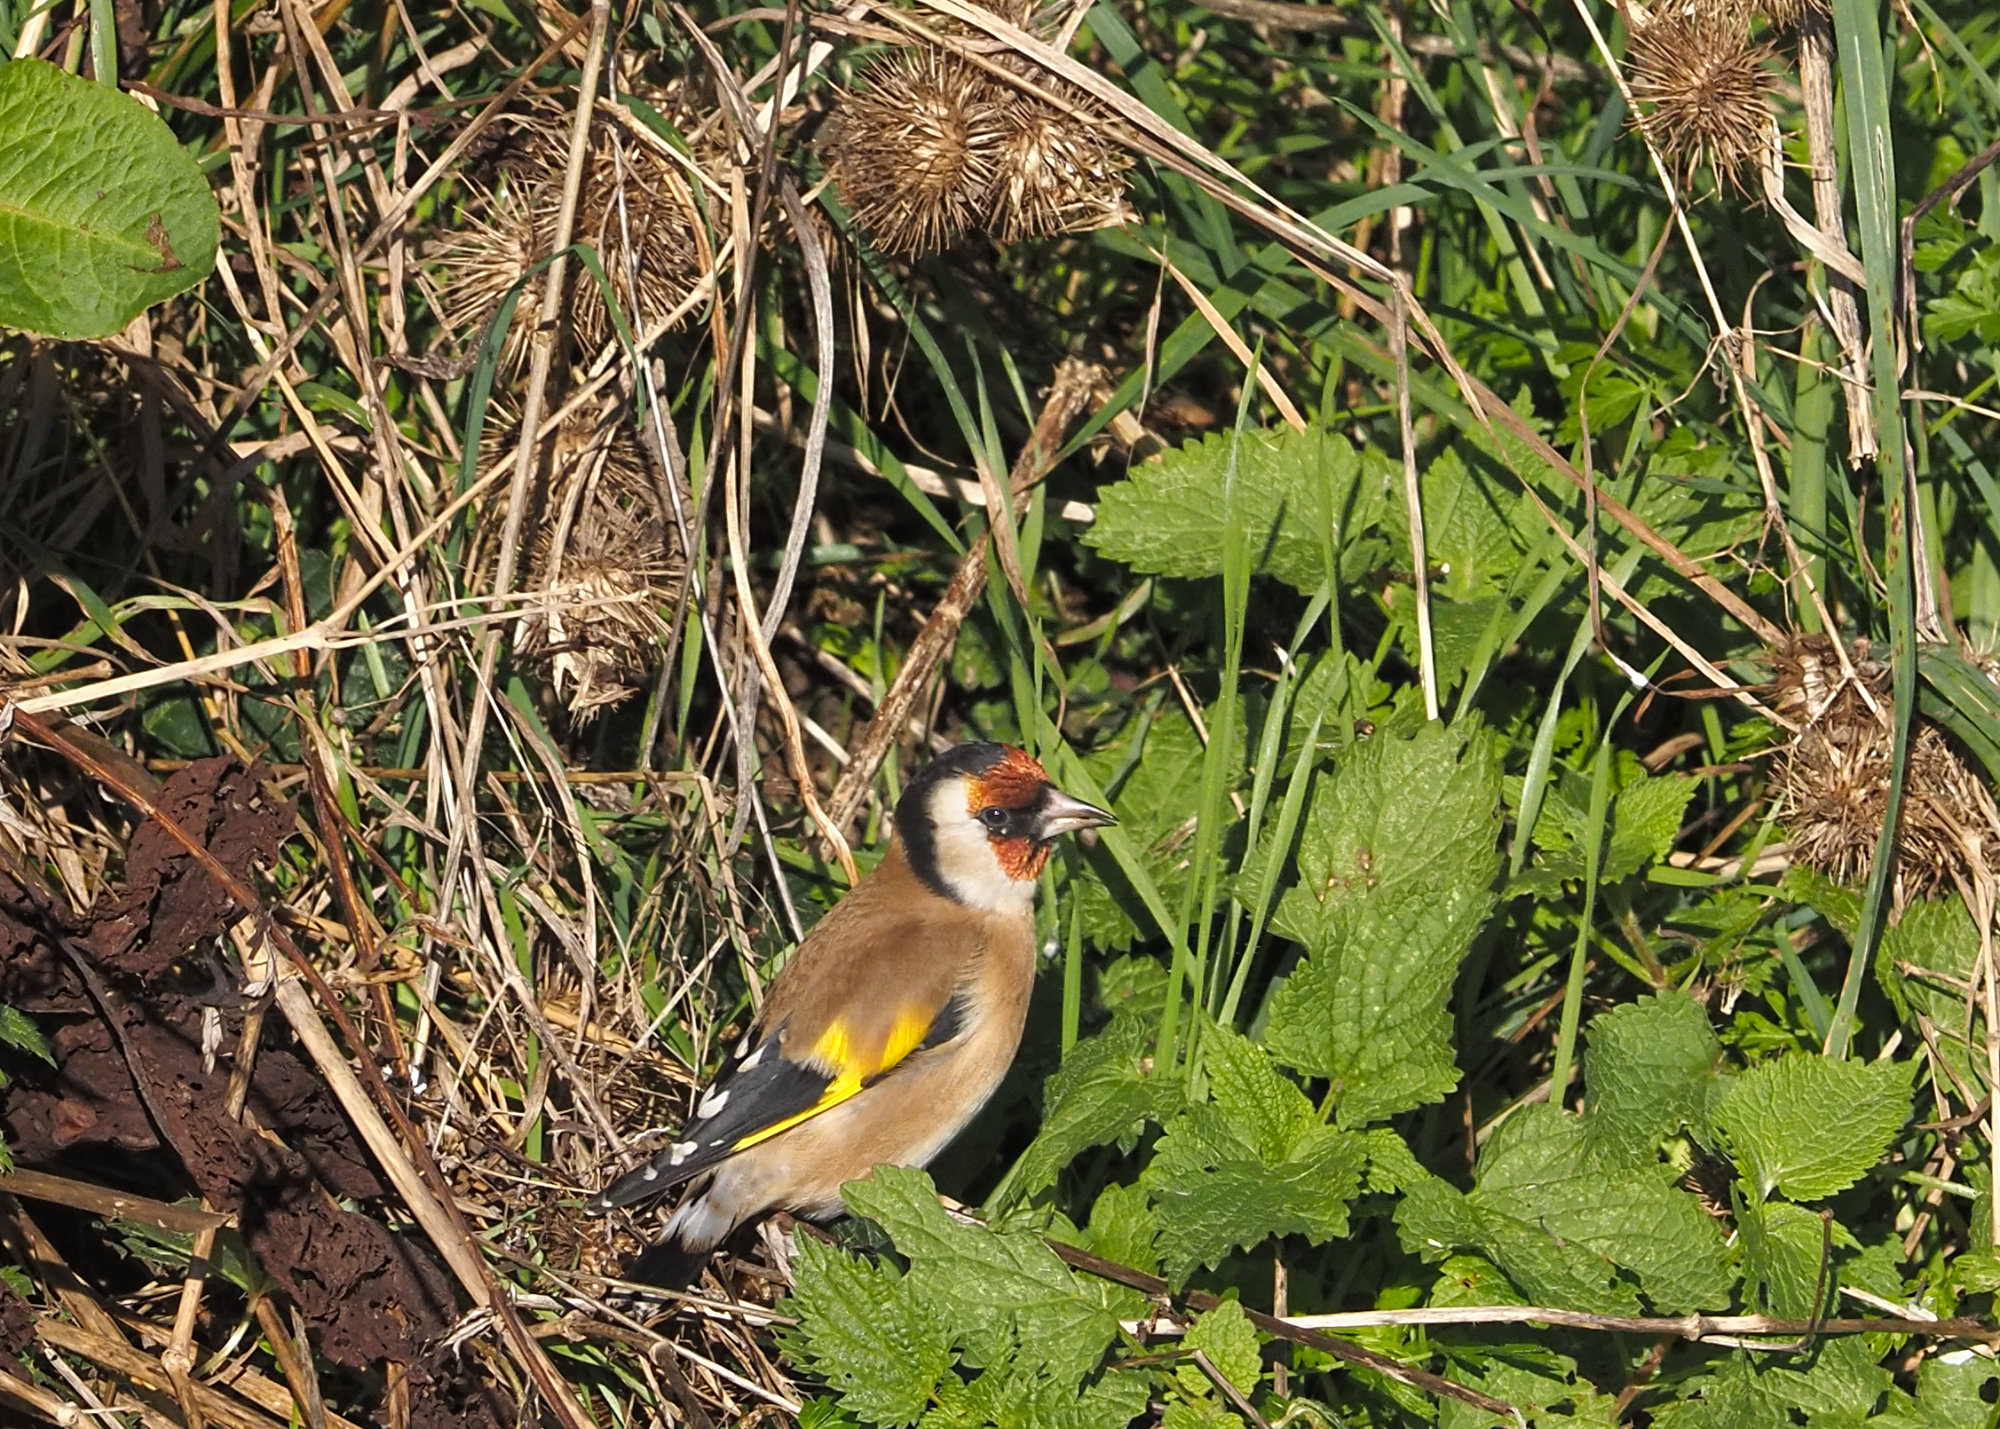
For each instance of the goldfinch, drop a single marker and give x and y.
(891, 1025)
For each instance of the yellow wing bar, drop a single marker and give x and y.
(835, 1050)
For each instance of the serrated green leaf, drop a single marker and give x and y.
(1782, 1246)
(1649, 1068)
(1019, 1392)
(1645, 818)
(1255, 1162)
(1809, 1127)
(17, 1029)
(1002, 1295)
(1296, 491)
(1469, 533)
(1124, 1225)
(104, 213)
(1231, 1344)
(1571, 1231)
(1102, 1092)
(1395, 862)
(866, 1331)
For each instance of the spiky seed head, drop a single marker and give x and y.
(914, 148)
(493, 247)
(1787, 14)
(1057, 174)
(636, 211)
(1703, 89)
(603, 566)
(1832, 778)
(632, 202)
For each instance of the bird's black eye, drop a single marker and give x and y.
(994, 817)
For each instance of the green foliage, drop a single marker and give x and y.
(1809, 1127)
(1253, 1162)
(1395, 862)
(867, 1335)
(1569, 1229)
(1323, 988)
(1650, 1071)
(105, 215)
(1304, 497)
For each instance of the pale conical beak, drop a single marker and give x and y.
(1059, 814)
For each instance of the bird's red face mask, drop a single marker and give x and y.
(1015, 787)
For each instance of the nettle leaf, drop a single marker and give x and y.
(1571, 1231)
(1299, 494)
(1650, 1067)
(1226, 1336)
(1124, 1226)
(1808, 1127)
(1255, 1162)
(1395, 863)
(1645, 818)
(1005, 1296)
(1782, 1250)
(1103, 1092)
(1023, 1392)
(868, 1333)
(1469, 534)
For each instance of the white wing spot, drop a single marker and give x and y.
(652, 1172)
(751, 1061)
(744, 1045)
(681, 1150)
(709, 1105)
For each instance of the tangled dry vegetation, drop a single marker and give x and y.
(208, 942)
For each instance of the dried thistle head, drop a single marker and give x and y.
(637, 212)
(492, 249)
(634, 209)
(1832, 778)
(1787, 14)
(1057, 174)
(605, 562)
(1703, 88)
(914, 148)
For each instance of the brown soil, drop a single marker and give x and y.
(123, 992)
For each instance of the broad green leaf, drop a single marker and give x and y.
(1019, 1391)
(1299, 492)
(1782, 1246)
(1649, 1070)
(1469, 533)
(1536, 1169)
(1808, 1127)
(866, 1332)
(1124, 1227)
(1395, 863)
(1226, 1336)
(1571, 1231)
(1003, 1295)
(1102, 1093)
(1645, 819)
(102, 214)
(1253, 1163)
(1753, 1391)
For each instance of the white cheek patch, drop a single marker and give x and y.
(968, 864)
